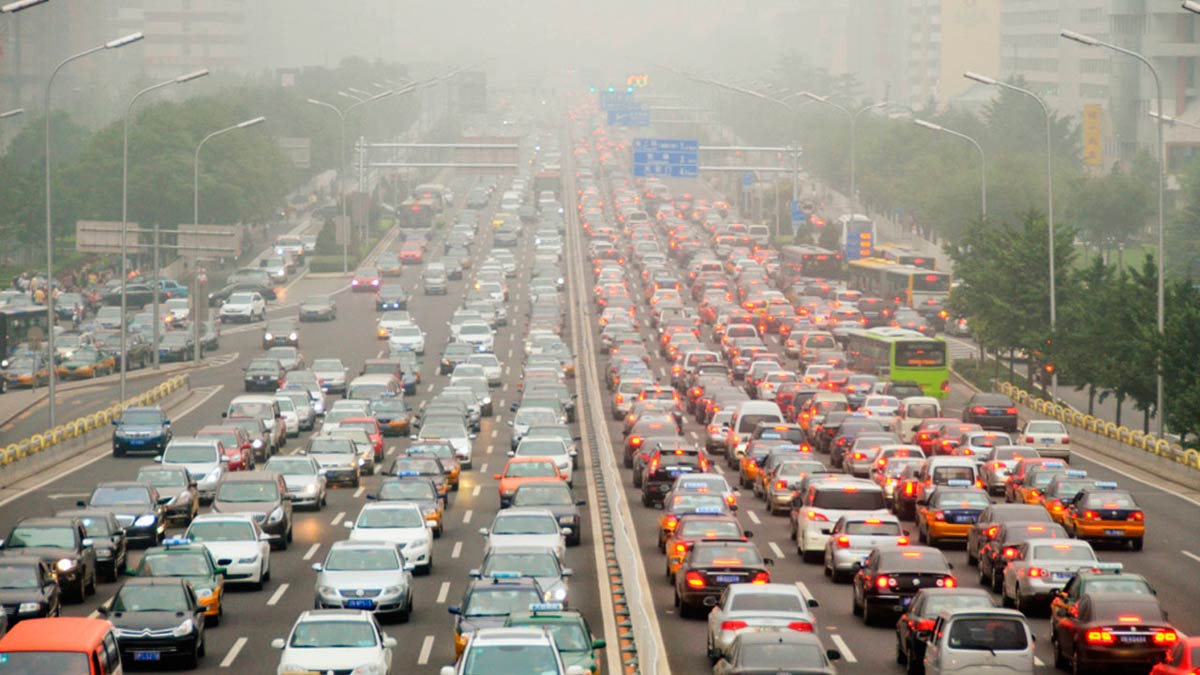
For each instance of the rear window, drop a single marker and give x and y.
(869, 527)
(922, 411)
(920, 354)
(849, 500)
(989, 634)
(944, 474)
(749, 422)
(1104, 500)
(820, 342)
(1063, 551)
(767, 602)
(1108, 610)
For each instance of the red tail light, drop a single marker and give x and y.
(1056, 506)
(733, 625)
(991, 531)
(820, 517)
(681, 548)
(1100, 637)
(671, 522)
(636, 441)
(1037, 573)
(761, 578)
(902, 541)
(1090, 515)
(1010, 552)
(843, 541)
(1137, 516)
(939, 516)
(620, 399)
(947, 582)
(908, 489)
(979, 410)
(883, 582)
(1166, 636)
(801, 626)
(925, 624)
(780, 485)
(694, 580)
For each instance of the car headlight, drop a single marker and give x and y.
(393, 590)
(65, 564)
(318, 407)
(247, 561)
(213, 476)
(145, 520)
(487, 400)
(27, 607)
(204, 593)
(276, 515)
(256, 444)
(268, 337)
(184, 629)
(292, 336)
(557, 595)
(103, 554)
(311, 488)
(369, 669)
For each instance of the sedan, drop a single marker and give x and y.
(1039, 568)
(783, 652)
(318, 308)
(365, 575)
(400, 524)
(304, 479)
(331, 374)
(176, 491)
(366, 279)
(526, 526)
(852, 539)
(535, 562)
(136, 507)
(923, 612)
(28, 589)
(891, 576)
(237, 544)
(156, 619)
(710, 566)
(86, 363)
(335, 640)
(757, 607)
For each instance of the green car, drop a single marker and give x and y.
(181, 558)
(571, 633)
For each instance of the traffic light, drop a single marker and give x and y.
(591, 90)
(629, 90)
(1049, 368)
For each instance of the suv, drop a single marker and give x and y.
(665, 465)
(139, 429)
(823, 503)
(434, 279)
(262, 495)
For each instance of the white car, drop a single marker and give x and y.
(526, 526)
(479, 335)
(177, 311)
(511, 650)
(827, 500)
(390, 321)
(397, 523)
(203, 461)
(287, 410)
(331, 374)
(335, 640)
(492, 369)
(1049, 437)
(408, 338)
(236, 543)
(247, 307)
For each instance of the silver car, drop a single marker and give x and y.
(306, 484)
(492, 369)
(526, 526)
(757, 607)
(306, 414)
(203, 459)
(1042, 567)
(852, 539)
(540, 563)
(337, 457)
(363, 444)
(331, 373)
(366, 575)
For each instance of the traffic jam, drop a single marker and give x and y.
(804, 477)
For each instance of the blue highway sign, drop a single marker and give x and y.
(666, 157)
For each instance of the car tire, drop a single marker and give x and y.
(1137, 544)
(856, 607)
(869, 616)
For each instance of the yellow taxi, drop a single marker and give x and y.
(696, 527)
(680, 505)
(1061, 491)
(948, 511)
(1037, 479)
(1016, 486)
(1104, 513)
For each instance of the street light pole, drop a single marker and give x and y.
(1090, 41)
(341, 176)
(984, 79)
(982, 159)
(11, 113)
(51, 374)
(125, 211)
(851, 116)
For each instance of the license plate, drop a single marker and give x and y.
(964, 520)
(727, 578)
(1133, 639)
(360, 604)
(1114, 533)
(137, 442)
(1061, 576)
(146, 656)
(905, 601)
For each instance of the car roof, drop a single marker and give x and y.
(58, 634)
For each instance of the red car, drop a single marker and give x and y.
(366, 279)
(239, 456)
(412, 253)
(369, 425)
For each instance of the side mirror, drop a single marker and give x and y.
(277, 643)
(509, 423)
(222, 571)
(389, 642)
(833, 655)
(80, 502)
(225, 414)
(483, 531)
(446, 670)
(454, 609)
(317, 567)
(567, 572)
(409, 567)
(102, 610)
(158, 459)
(348, 524)
(89, 542)
(580, 502)
(769, 562)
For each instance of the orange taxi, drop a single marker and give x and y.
(522, 471)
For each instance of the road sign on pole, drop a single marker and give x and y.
(666, 157)
(748, 179)
(636, 116)
(799, 217)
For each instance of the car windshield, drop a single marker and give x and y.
(175, 565)
(387, 518)
(291, 467)
(872, 527)
(327, 365)
(141, 418)
(333, 635)
(532, 564)
(550, 495)
(165, 598)
(1103, 500)
(935, 604)
(531, 470)
(96, 526)
(330, 446)
(511, 659)
(710, 529)
(988, 633)
(406, 489)
(525, 524)
(18, 576)
(160, 478)
(362, 560)
(227, 530)
(962, 500)
(120, 496)
(540, 448)
(732, 554)
(41, 536)
(406, 331)
(500, 601)
(248, 491)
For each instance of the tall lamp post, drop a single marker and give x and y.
(1089, 41)
(196, 164)
(51, 375)
(125, 212)
(982, 159)
(991, 81)
(11, 113)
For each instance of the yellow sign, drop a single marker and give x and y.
(1093, 134)
(637, 81)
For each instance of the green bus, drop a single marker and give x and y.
(899, 354)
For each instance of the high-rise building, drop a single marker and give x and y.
(943, 38)
(185, 35)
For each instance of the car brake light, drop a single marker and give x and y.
(801, 626)
(902, 541)
(1010, 552)
(947, 582)
(1100, 637)
(636, 441)
(1036, 573)
(1166, 636)
(761, 578)
(979, 410)
(883, 581)
(1056, 506)
(620, 399)
(843, 541)
(1090, 515)
(925, 624)
(820, 517)
(733, 625)
(939, 516)
(1029, 439)
(1010, 411)
(991, 531)
(681, 548)
(780, 485)
(908, 489)
(694, 579)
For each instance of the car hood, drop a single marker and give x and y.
(146, 620)
(299, 482)
(551, 540)
(125, 515)
(140, 429)
(231, 549)
(328, 460)
(13, 596)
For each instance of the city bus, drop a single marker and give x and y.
(808, 261)
(902, 284)
(21, 326)
(857, 236)
(902, 255)
(900, 355)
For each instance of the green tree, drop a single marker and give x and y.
(1082, 352)
(1183, 230)
(1129, 309)
(1178, 348)
(1111, 210)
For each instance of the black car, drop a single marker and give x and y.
(177, 492)
(921, 614)
(391, 296)
(710, 566)
(177, 345)
(157, 619)
(555, 497)
(136, 508)
(137, 348)
(136, 295)
(262, 495)
(1113, 631)
(28, 589)
(106, 536)
(991, 411)
(218, 298)
(889, 578)
(665, 465)
(318, 308)
(141, 430)
(280, 333)
(456, 353)
(263, 375)
(393, 415)
(60, 543)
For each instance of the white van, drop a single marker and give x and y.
(746, 416)
(369, 387)
(970, 641)
(759, 234)
(913, 410)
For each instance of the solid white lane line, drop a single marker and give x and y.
(429, 389)
(457, 550)
(312, 550)
(776, 550)
(467, 516)
(338, 518)
(843, 648)
(1038, 662)
(1191, 555)
(475, 490)
(749, 514)
(359, 492)
(277, 595)
(426, 649)
(233, 652)
(443, 592)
